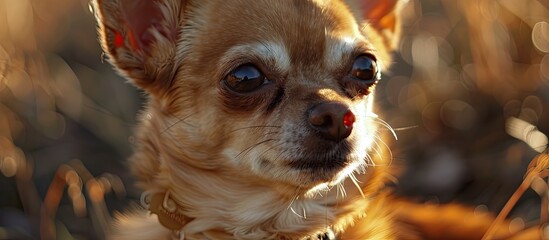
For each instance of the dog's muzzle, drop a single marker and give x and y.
(333, 120)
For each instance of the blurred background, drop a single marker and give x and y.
(468, 97)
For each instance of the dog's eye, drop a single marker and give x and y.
(365, 69)
(245, 78)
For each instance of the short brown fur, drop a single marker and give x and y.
(226, 158)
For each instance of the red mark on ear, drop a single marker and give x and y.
(133, 42)
(377, 10)
(118, 40)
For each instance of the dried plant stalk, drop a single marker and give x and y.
(537, 168)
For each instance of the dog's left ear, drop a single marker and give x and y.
(383, 16)
(140, 37)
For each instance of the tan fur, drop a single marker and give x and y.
(206, 147)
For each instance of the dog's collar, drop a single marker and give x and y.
(328, 235)
(166, 209)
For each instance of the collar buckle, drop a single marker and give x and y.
(166, 209)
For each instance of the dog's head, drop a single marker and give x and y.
(280, 91)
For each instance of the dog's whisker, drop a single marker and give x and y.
(274, 132)
(357, 185)
(227, 136)
(250, 148)
(256, 126)
(179, 120)
(361, 168)
(400, 129)
(377, 150)
(386, 146)
(387, 126)
(295, 197)
(304, 215)
(269, 149)
(277, 158)
(294, 212)
(291, 208)
(319, 194)
(341, 188)
(326, 220)
(383, 123)
(369, 161)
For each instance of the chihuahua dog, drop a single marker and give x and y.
(259, 122)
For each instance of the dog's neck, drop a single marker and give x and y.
(219, 205)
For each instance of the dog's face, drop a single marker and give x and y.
(279, 91)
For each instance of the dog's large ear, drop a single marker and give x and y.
(139, 37)
(383, 16)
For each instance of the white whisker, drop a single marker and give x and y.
(362, 169)
(377, 149)
(355, 182)
(297, 214)
(369, 161)
(386, 147)
(383, 123)
(341, 188)
(292, 202)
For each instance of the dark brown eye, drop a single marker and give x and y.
(365, 69)
(245, 78)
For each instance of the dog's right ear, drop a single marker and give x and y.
(383, 16)
(139, 37)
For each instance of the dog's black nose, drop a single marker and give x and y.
(333, 120)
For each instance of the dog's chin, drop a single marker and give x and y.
(319, 178)
(328, 172)
(308, 173)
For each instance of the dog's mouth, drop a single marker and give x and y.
(334, 159)
(322, 165)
